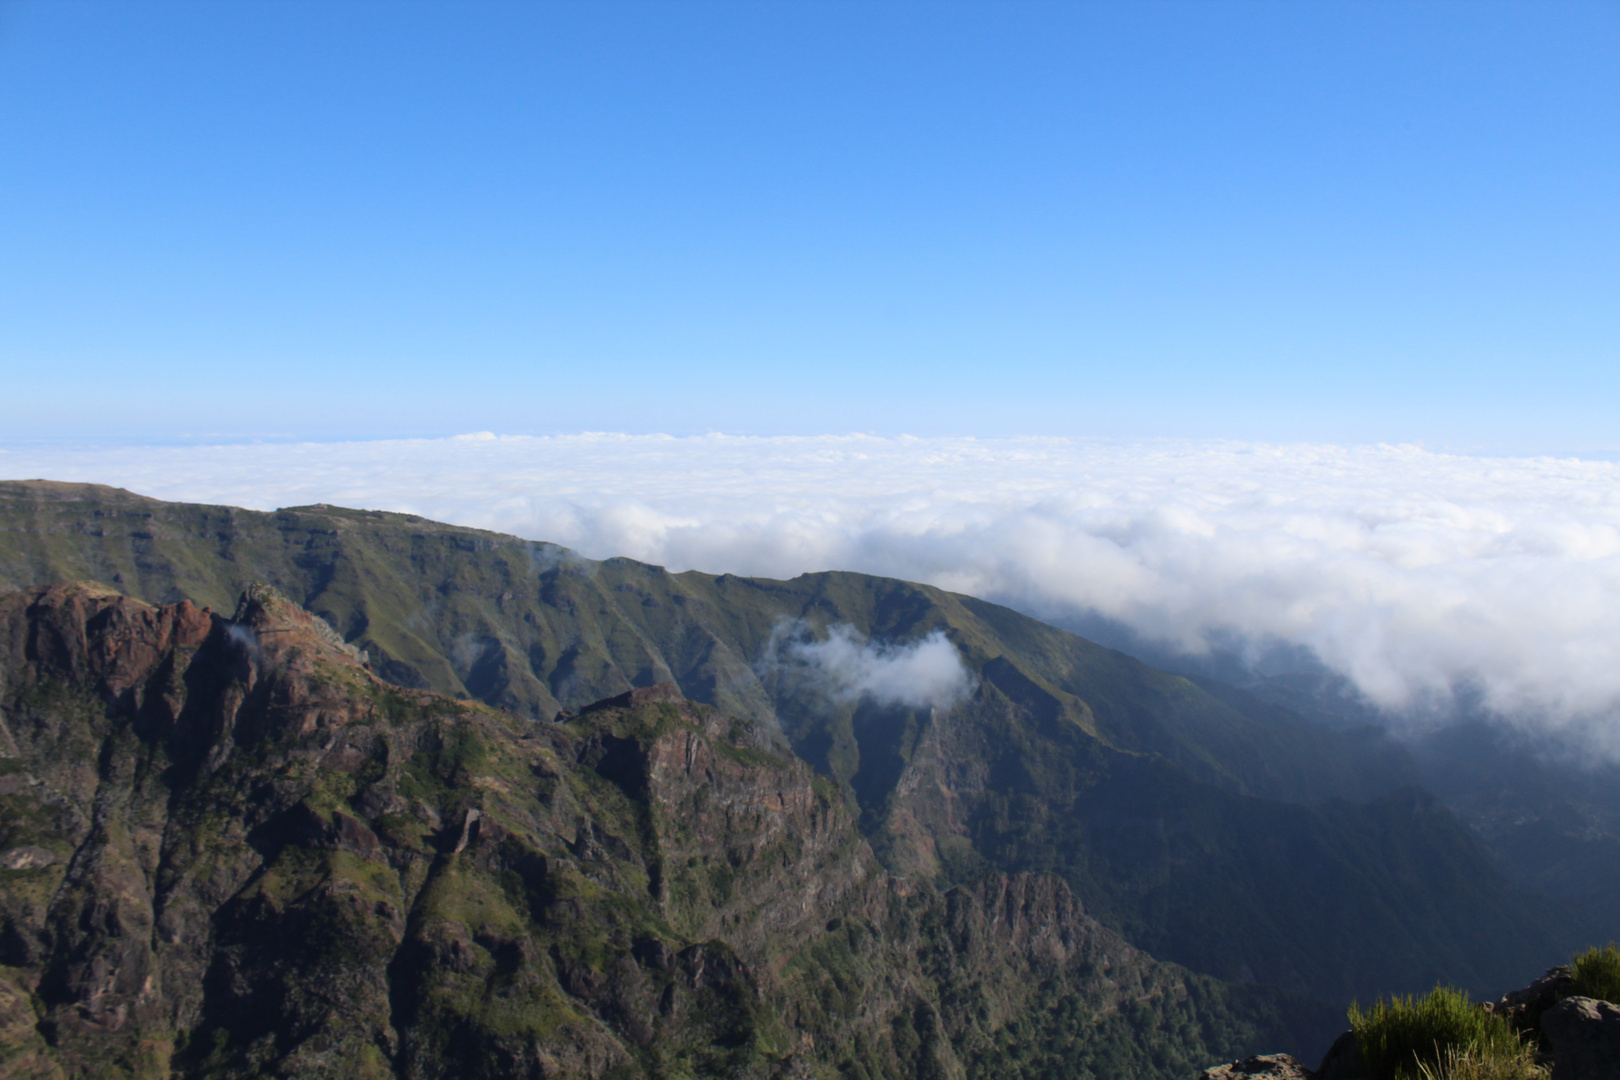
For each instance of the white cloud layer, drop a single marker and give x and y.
(921, 674)
(1412, 573)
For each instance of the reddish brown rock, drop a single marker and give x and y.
(89, 633)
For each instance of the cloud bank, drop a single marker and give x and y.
(1414, 574)
(925, 674)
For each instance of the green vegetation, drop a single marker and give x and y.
(1597, 973)
(1405, 1038)
(1464, 1063)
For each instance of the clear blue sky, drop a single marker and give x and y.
(1351, 222)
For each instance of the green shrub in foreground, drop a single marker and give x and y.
(1597, 973)
(1401, 1038)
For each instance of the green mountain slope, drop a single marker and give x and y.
(231, 851)
(532, 628)
(1241, 841)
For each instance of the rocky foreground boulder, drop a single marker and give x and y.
(1342, 1062)
(1267, 1066)
(1583, 1037)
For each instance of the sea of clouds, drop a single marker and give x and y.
(1413, 574)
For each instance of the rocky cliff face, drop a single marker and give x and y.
(227, 849)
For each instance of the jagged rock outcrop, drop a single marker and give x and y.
(1523, 1008)
(228, 849)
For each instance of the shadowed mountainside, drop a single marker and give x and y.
(1545, 809)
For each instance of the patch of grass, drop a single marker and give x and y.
(293, 873)
(747, 755)
(1462, 1063)
(464, 750)
(464, 897)
(417, 782)
(1597, 973)
(403, 831)
(331, 791)
(532, 1013)
(1400, 1037)
(721, 880)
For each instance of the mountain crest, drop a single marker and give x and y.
(265, 610)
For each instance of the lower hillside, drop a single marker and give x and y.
(227, 850)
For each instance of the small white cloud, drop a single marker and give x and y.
(923, 674)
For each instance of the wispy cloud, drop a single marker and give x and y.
(1410, 572)
(924, 674)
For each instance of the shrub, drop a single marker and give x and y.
(1597, 973)
(1402, 1036)
(1465, 1063)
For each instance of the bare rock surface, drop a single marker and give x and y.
(1583, 1035)
(1523, 1008)
(1269, 1066)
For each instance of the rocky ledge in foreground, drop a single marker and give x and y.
(1271, 1066)
(227, 849)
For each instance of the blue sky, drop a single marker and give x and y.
(1343, 222)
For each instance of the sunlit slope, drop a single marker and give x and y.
(1200, 829)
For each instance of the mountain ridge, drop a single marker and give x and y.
(1207, 834)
